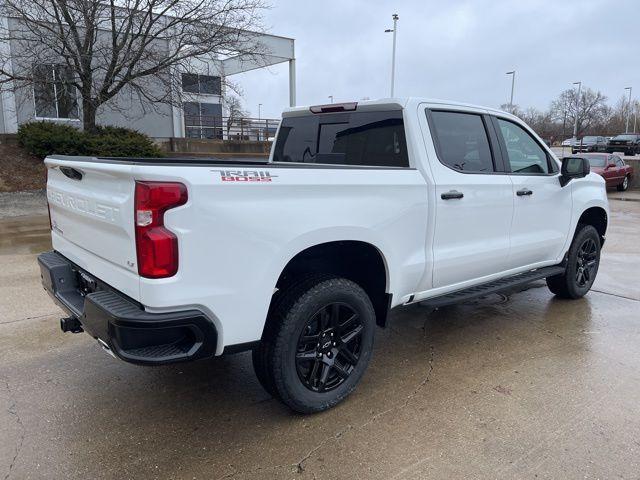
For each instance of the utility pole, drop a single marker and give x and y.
(394, 30)
(626, 130)
(575, 124)
(513, 81)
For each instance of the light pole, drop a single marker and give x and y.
(575, 124)
(513, 81)
(331, 98)
(259, 111)
(626, 129)
(393, 30)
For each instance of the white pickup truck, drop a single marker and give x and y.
(359, 209)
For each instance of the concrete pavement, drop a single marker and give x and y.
(508, 386)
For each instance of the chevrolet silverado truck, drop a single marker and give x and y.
(360, 208)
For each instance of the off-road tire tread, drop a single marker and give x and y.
(282, 321)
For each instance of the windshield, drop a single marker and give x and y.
(589, 139)
(625, 137)
(597, 161)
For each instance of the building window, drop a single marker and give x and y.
(53, 93)
(202, 120)
(204, 84)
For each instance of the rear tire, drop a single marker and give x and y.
(317, 343)
(624, 185)
(582, 265)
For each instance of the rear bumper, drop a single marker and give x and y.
(121, 324)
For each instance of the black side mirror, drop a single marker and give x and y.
(573, 167)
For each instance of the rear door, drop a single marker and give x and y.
(542, 208)
(474, 201)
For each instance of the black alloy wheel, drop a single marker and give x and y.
(586, 262)
(329, 347)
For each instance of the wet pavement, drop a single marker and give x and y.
(509, 386)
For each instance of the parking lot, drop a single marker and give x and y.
(509, 386)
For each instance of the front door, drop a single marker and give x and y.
(542, 208)
(474, 202)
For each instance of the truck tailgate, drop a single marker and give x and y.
(91, 206)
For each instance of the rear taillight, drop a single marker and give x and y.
(157, 247)
(46, 181)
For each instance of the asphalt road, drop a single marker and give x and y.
(509, 386)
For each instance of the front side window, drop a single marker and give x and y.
(53, 93)
(524, 154)
(619, 162)
(202, 84)
(462, 141)
(359, 138)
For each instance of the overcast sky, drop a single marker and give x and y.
(458, 50)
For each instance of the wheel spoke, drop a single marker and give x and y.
(324, 376)
(348, 321)
(340, 371)
(335, 315)
(308, 355)
(352, 334)
(306, 339)
(325, 318)
(313, 372)
(346, 353)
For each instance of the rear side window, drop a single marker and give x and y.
(356, 138)
(462, 141)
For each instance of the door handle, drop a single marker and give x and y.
(523, 192)
(451, 194)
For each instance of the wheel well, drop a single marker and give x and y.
(357, 261)
(596, 217)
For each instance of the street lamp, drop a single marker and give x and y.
(331, 98)
(575, 124)
(513, 81)
(393, 30)
(626, 130)
(259, 111)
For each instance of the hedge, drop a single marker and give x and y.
(50, 138)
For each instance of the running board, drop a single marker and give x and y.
(492, 287)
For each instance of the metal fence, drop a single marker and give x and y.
(230, 128)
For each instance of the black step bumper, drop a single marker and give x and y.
(121, 324)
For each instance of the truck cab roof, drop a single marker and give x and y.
(393, 103)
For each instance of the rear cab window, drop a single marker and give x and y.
(370, 138)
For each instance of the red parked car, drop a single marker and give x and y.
(612, 167)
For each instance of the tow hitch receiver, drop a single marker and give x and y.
(71, 324)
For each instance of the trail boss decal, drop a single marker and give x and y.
(245, 175)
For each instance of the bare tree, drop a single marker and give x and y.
(592, 111)
(103, 48)
(235, 111)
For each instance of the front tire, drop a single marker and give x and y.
(624, 185)
(582, 265)
(317, 343)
